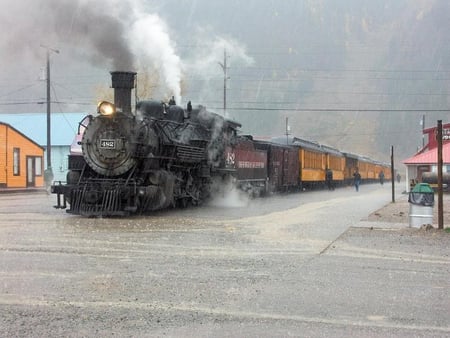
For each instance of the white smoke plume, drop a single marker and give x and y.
(114, 34)
(151, 41)
(204, 63)
(227, 195)
(213, 51)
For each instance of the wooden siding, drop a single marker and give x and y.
(312, 165)
(3, 159)
(11, 138)
(337, 165)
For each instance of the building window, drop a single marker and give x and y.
(16, 161)
(38, 166)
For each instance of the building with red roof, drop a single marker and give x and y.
(425, 160)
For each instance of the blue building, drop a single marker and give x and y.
(64, 127)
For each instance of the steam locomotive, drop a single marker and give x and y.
(161, 156)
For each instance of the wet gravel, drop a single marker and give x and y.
(305, 264)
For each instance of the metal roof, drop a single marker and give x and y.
(64, 126)
(21, 134)
(287, 140)
(307, 144)
(430, 156)
(430, 129)
(332, 150)
(351, 155)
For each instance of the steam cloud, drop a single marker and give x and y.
(204, 62)
(112, 33)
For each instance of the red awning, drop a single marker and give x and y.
(430, 156)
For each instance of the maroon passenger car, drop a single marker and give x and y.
(251, 166)
(283, 166)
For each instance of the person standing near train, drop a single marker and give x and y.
(381, 177)
(329, 179)
(357, 179)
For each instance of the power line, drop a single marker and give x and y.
(291, 78)
(312, 136)
(18, 90)
(43, 102)
(346, 70)
(333, 109)
(325, 92)
(20, 103)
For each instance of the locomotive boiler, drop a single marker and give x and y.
(159, 156)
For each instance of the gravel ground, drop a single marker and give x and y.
(299, 265)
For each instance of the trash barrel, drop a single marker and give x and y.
(421, 203)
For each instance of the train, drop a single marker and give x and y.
(161, 155)
(294, 164)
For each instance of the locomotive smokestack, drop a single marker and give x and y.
(123, 83)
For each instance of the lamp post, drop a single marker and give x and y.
(48, 174)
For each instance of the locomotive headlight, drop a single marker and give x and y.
(106, 108)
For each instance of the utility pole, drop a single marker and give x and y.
(225, 78)
(440, 164)
(392, 174)
(423, 128)
(48, 175)
(287, 130)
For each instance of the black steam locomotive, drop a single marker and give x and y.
(159, 156)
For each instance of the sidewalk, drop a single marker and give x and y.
(22, 190)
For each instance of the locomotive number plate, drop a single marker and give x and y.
(107, 144)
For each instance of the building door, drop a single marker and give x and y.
(31, 171)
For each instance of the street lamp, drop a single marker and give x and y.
(48, 174)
